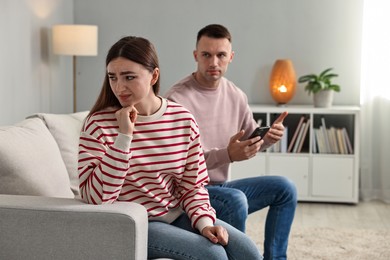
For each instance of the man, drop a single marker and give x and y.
(226, 121)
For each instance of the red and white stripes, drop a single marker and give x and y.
(161, 166)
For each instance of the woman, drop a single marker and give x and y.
(136, 146)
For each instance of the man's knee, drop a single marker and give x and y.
(238, 200)
(231, 198)
(288, 188)
(231, 206)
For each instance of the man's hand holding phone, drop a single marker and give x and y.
(243, 150)
(259, 131)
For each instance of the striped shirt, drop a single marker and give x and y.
(161, 166)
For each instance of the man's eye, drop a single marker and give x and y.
(129, 77)
(206, 55)
(222, 55)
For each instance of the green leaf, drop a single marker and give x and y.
(329, 76)
(335, 88)
(325, 72)
(305, 78)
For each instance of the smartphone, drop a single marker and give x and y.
(259, 131)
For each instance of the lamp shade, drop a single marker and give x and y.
(76, 40)
(282, 83)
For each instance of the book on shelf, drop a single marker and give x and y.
(320, 140)
(283, 141)
(348, 141)
(275, 148)
(333, 142)
(325, 135)
(341, 141)
(300, 135)
(314, 142)
(259, 121)
(302, 141)
(293, 139)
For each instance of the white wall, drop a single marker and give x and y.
(314, 34)
(32, 78)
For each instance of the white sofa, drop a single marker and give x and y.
(41, 215)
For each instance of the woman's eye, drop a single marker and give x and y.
(129, 77)
(112, 78)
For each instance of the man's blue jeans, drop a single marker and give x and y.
(234, 200)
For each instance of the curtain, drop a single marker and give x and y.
(375, 102)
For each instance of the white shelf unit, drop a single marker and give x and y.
(319, 177)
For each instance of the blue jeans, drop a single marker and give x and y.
(234, 200)
(179, 240)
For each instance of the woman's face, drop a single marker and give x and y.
(130, 81)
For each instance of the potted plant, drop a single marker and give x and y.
(321, 86)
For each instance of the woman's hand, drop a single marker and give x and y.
(126, 118)
(216, 234)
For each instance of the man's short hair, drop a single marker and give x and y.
(216, 31)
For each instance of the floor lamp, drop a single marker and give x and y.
(75, 40)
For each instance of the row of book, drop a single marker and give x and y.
(299, 136)
(325, 140)
(331, 140)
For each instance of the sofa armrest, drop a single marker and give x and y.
(58, 228)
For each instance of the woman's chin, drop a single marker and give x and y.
(126, 103)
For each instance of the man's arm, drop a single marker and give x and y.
(243, 150)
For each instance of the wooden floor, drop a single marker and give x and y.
(365, 215)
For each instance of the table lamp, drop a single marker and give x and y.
(282, 83)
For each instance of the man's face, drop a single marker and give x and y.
(213, 57)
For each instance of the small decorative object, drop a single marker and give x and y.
(282, 83)
(321, 86)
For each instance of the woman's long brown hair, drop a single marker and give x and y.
(136, 49)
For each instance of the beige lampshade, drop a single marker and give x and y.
(282, 83)
(76, 40)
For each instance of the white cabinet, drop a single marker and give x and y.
(322, 171)
(294, 167)
(249, 168)
(333, 177)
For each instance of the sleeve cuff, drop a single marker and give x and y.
(123, 142)
(225, 156)
(204, 222)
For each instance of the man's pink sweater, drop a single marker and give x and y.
(220, 113)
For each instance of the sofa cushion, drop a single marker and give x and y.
(65, 129)
(30, 161)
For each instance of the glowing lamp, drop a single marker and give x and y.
(282, 83)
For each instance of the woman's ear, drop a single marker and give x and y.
(155, 75)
